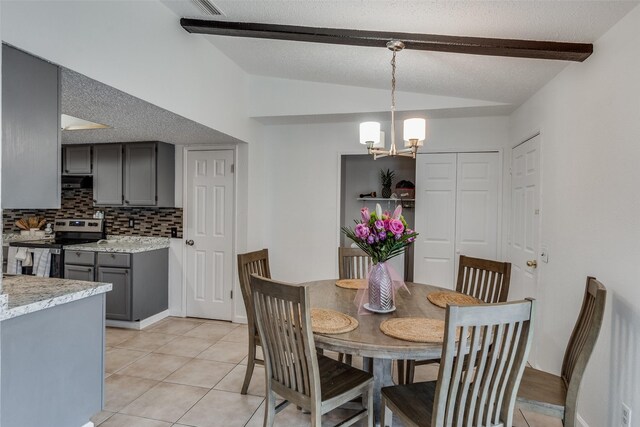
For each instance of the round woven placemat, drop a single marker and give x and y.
(415, 329)
(324, 321)
(441, 299)
(351, 283)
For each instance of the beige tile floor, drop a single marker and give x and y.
(188, 373)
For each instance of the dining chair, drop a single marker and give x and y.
(252, 262)
(353, 263)
(293, 368)
(484, 279)
(555, 395)
(483, 357)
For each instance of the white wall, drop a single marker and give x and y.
(302, 183)
(589, 119)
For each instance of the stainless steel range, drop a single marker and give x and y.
(67, 232)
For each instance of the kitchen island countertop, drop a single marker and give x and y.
(125, 244)
(28, 294)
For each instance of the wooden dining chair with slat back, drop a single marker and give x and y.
(484, 279)
(353, 263)
(557, 396)
(495, 339)
(293, 368)
(252, 262)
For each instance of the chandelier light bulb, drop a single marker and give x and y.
(369, 133)
(415, 131)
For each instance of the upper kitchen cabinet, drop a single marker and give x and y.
(76, 160)
(107, 175)
(134, 174)
(30, 132)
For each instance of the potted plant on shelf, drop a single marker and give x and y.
(386, 179)
(382, 236)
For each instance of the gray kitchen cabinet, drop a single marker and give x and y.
(140, 283)
(140, 174)
(134, 174)
(76, 160)
(30, 132)
(107, 175)
(78, 272)
(118, 306)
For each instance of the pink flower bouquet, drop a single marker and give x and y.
(380, 235)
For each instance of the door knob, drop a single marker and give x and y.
(189, 242)
(532, 263)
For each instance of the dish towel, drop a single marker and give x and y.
(14, 265)
(41, 262)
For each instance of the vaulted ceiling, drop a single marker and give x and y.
(504, 80)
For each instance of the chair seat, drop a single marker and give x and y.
(414, 401)
(337, 378)
(539, 389)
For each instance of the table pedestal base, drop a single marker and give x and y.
(382, 377)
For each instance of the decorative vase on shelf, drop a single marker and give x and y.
(380, 288)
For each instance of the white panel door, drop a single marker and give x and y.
(435, 219)
(209, 234)
(525, 209)
(477, 206)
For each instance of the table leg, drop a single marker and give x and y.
(381, 378)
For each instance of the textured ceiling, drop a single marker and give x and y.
(508, 80)
(129, 118)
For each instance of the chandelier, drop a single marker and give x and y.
(414, 129)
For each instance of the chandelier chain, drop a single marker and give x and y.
(393, 80)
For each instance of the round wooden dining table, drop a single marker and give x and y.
(367, 340)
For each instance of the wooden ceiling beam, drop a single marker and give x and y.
(455, 44)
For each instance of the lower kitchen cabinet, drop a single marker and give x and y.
(119, 299)
(140, 280)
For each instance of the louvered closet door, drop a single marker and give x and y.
(456, 213)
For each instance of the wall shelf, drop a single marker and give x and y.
(406, 203)
(382, 199)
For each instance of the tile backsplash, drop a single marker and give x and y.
(78, 203)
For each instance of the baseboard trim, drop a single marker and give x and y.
(139, 324)
(581, 421)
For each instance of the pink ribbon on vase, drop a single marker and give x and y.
(362, 296)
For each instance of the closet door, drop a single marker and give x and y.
(456, 213)
(434, 262)
(477, 206)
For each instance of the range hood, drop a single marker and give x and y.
(76, 181)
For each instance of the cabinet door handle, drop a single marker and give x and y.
(78, 254)
(88, 270)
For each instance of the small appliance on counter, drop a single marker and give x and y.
(67, 232)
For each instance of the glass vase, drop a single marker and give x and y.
(380, 288)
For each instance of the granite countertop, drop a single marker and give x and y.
(27, 294)
(126, 244)
(16, 237)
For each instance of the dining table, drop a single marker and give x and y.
(367, 340)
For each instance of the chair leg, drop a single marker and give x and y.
(316, 418)
(269, 409)
(348, 359)
(411, 370)
(251, 363)
(401, 375)
(383, 410)
(369, 406)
